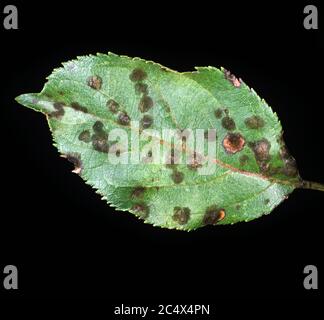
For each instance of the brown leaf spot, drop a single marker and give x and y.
(137, 74)
(145, 104)
(181, 215)
(99, 143)
(141, 209)
(261, 149)
(98, 126)
(230, 77)
(76, 106)
(112, 105)
(94, 82)
(233, 143)
(213, 215)
(218, 113)
(85, 136)
(59, 110)
(123, 118)
(228, 123)
(177, 176)
(141, 88)
(290, 166)
(146, 121)
(75, 158)
(254, 122)
(138, 192)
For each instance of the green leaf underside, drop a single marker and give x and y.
(247, 183)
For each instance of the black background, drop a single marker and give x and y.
(67, 243)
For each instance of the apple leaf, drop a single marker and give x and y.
(107, 114)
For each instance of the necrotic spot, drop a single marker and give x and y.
(113, 106)
(254, 122)
(141, 209)
(85, 136)
(138, 192)
(99, 142)
(177, 176)
(76, 106)
(213, 215)
(261, 149)
(233, 142)
(146, 121)
(141, 88)
(123, 118)
(181, 215)
(75, 158)
(59, 110)
(98, 126)
(218, 113)
(137, 75)
(145, 104)
(94, 82)
(228, 123)
(290, 166)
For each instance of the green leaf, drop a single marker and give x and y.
(250, 174)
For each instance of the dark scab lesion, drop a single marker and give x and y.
(213, 215)
(138, 192)
(141, 88)
(290, 166)
(75, 159)
(218, 113)
(145, 104)
(99, 143)
(76, 106)
(254, 122)
(98, 127)
(112, 106)
(141, 210)
(94, 82)
(138, 74)
(146, 121)
(123, 118)
(181, 215)
(266, 201)
(228, 123)
(261, 150)
(99, 138)
(85, 136)
(59, 110)
(233, 143)
(177, 176)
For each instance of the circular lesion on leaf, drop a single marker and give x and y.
(181, 215)
(233, 143)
